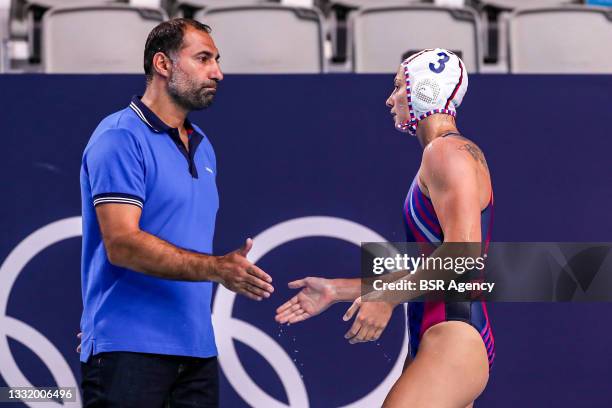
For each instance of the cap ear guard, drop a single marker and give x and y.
(436, 82)
(406, 126)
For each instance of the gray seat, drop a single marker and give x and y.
(494, 16)
(97, 39)
(222, 3)
(370, 3)
(26, 16)
(570, 39)
(266, 38)
(518, 4)
(382, 36)
(188, 8)
(22, 10)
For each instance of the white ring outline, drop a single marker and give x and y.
(277, 235)
(12, 266)
(264, 242)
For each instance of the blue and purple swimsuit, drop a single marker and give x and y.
(423, 226)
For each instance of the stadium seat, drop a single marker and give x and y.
(339, 12)
(147, 3)
(267, 38)
(370, 3)
(96, 39)
(298, 3)
(494, 16)
(20, 8)
(26, 17)
(570, 39)
(517, 4)
(220, 3)
(383, 36)
(188, 8)
(450, 3)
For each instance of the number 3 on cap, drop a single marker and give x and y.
(441, 63)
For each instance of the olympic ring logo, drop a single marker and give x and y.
(250, 335)
(233, 328)
(18, 330)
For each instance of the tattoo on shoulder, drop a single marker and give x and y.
(475, 152)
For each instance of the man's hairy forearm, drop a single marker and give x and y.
(143, 252)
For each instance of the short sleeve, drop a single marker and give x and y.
(115, 168)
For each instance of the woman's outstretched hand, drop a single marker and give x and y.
(317, 294)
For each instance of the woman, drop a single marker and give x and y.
(450, 200)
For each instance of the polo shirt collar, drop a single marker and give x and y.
(158, 126)
(151, 119)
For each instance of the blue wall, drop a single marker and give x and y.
(296, 146)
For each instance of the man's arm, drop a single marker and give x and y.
(129, 247)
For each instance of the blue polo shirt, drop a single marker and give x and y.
(133, 158)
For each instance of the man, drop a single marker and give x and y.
(149, 203)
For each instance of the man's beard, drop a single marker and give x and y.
(188, 94)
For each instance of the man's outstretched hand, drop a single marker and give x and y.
(317, 294)
(239, 275)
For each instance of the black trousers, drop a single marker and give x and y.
(126, 380)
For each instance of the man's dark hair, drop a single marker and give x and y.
(167, 37)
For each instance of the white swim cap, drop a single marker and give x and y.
(436, 81)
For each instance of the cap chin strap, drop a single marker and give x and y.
(410, 126)
(403, 127)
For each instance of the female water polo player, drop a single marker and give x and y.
(450, 200)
